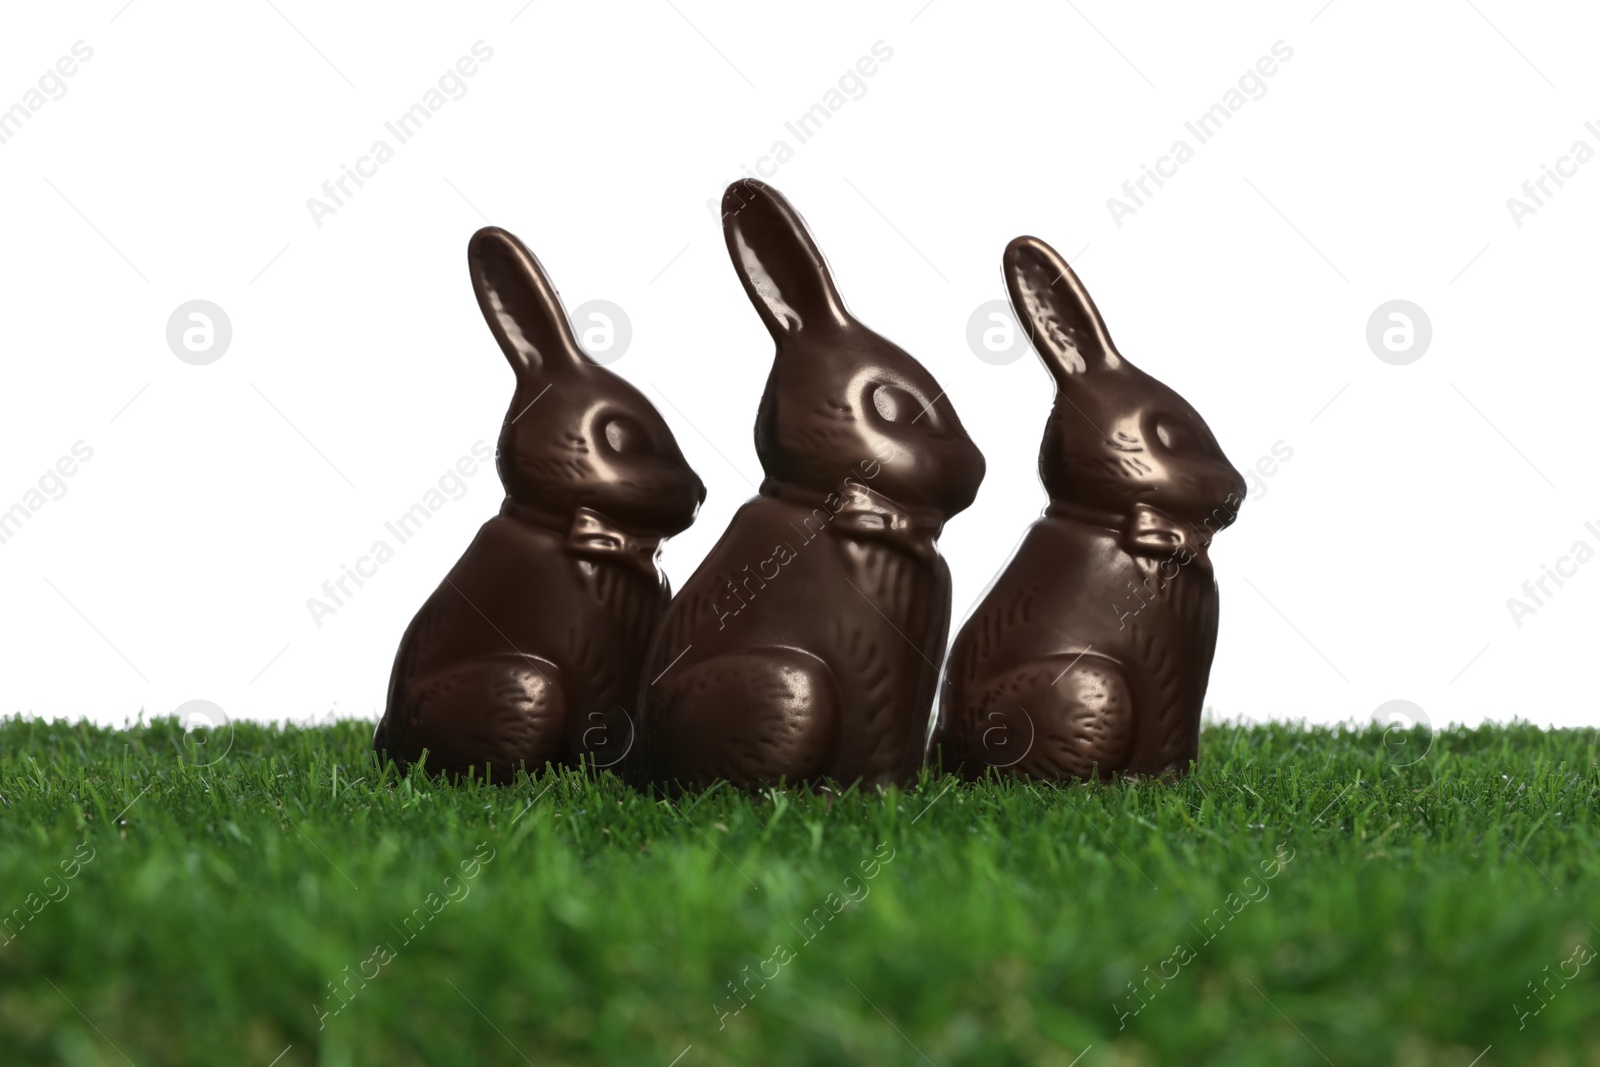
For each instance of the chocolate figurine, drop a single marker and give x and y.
(806, 646)
(1089, 655)
(530, 651)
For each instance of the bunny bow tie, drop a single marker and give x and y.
(906, 530)
(592, 534)
(863, 515)
(1146, 532)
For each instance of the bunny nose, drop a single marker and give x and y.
(962, 473)
(1238, 484)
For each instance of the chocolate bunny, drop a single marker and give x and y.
(530, 650)
(806, 646)
(1089, 655)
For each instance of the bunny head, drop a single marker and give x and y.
(841, 399)
(1117, 438)
(594, 441)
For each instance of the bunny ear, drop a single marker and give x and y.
(782, 271)
(522, 308)
(1050, 301)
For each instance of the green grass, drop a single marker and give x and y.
(1408, 910)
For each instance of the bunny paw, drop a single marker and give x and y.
(751, 718)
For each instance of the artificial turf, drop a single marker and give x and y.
(1307, 896)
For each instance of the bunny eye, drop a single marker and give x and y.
(894, 404)
(1175, 435)
(626, 437)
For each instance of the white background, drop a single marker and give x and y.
(1376, 565)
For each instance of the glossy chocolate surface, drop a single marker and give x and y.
(1089, 655)
(530, 650)
(806, 646)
